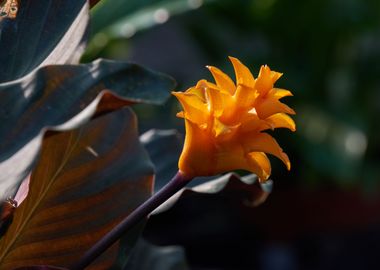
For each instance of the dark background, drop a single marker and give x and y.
(325, 212)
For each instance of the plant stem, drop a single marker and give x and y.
(174, 185)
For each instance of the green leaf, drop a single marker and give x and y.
(148, 16)
(107, 12)
(118, 19)
(44, 32)
(85, 182)
(61, 98)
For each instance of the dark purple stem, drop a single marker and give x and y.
(175, 184)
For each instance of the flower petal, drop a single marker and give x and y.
(280, 93)
(275, 75)
(194, 108)
(281, 120)
(263, 142)
(198, 154)
(224, 132)
(251, 122)
(260, 165)
(245, 96)
(242, 73)
(215, 101)
(199, 90)
(270, 106)
(222, 80)
(264, 82)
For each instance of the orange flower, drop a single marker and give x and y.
(225, 122)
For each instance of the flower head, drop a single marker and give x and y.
(225, 123)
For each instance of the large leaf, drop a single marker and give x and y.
(147, 256)
(44, 32)
(63, 97)
(86, 181)
(246, 190)
(210, 221)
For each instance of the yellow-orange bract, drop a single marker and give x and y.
(225, 121)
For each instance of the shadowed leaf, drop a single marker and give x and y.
(212, 216)
(44, 32)
(85, 182)
(147, 256)
(64, 97)
(246, 190)
(164, 148)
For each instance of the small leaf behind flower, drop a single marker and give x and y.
(164, 148)
(85, 182)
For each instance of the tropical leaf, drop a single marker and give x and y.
(108, 12)
(137, 13)
(44, 32)
(246, 190)
(148, 256)
(64, 97)
(85, 182)
(119, 19)
(215, 216)
(164, 148)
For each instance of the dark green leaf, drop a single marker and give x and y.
(85, 182)
(63, 97)
(108, 12)
(44, 32)
(118, 19)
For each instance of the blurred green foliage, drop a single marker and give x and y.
(328, 50)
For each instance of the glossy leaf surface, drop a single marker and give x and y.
(44, 32)
(85, 181)
(64, 97)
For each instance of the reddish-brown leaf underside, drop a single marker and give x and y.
(85, 182)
